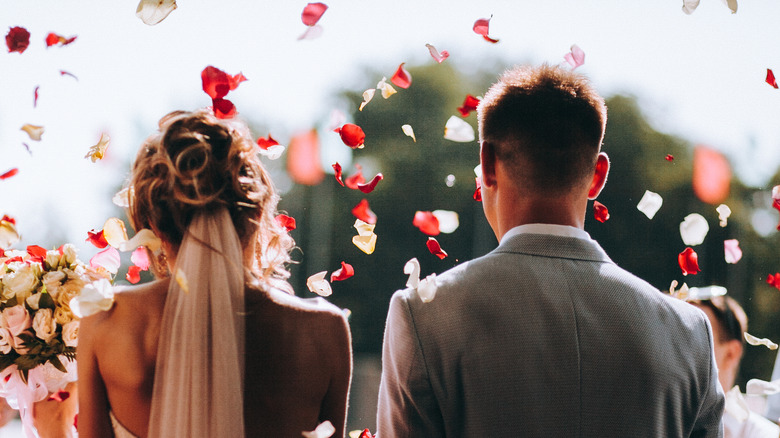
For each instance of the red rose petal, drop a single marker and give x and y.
(600, 212)
(223, 108)
(9, 173)
(478, 191)
(216, 83)
(66, 73)
(35, 96)
(60, 396)
(366, 434)
(133, 274)
(76, 422)
(363, 212)
(401, 77)
(352, 135)
(312, 13)
(286, 222)
(343, 273)
(337, 171)
(8, 219)
(669, 157)
(435, 248)
(469, 105)
(369, 187)
(266, 143)
(689, 261)
(426, 222)
(773, 280)
(482, 27)
(53, 39)
(355, 179)
(13, 259)
(17, 39)
(97, 238)
(770, 78)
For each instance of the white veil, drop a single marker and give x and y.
(199, 375)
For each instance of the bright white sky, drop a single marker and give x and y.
(699, 76)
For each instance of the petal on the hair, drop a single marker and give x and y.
(9, 173)
(401, 78)
(482, 27)
(152, 12)
(371, 185)
(223, 108)
(770, 78)
(448, 220)
(342, 273)
(435, 248)
(600, 212)
(439, 57)
(323, 430)
(575, 57)
(367, 96)
(144, 237)
(216, 83)
(752, 340)
(286, 222)
(311, 33)
(312, 13)
(319, 285)
(96, 238)
(407, 129)
(412, 269)
(458, 130)
(35, 132)
(650, 203)
(363, 212)
(97, 151)
(688, 261)
(386, 89)
(693, 229)
(115, 232)
(732, 251)
(352, 135)
(426, 222)
(689, 6)
(470, 104)
(426, 290)
(366, 239)
(107, 259)
(140, 258)
(133, 274)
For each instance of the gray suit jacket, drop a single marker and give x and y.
(546, 337)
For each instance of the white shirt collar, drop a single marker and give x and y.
(551, 229)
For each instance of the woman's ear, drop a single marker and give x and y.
(487, 160)
(599, 175)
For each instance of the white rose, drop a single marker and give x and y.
(52, 259)
(21, 282)
(69, 253)
(52, 281)
(70, 334)
(95, 297)
(44, 325)
(6, 341)
(33, 301)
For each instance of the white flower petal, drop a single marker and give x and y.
(689, 6)
(427, 288)
(95, 297)
(412, 268)
(324, 430)
(386, 89)
(448, 220)
(273, 152)
(367, 96)
(409, 132)
(8, 234)
(761, 387)
(115, 232)
(144, 237)
(706, 293)
(752, 340)
(650, 203)
(694, 229)
(122, 198)
(319, 285)
(458, 130)
(736, 405)
(152, 12)
(723, 214)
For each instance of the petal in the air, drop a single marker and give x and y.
(650, 203)
(458, 130)
(401, 77)
(152, 12)
(439, 57)
(319, 285)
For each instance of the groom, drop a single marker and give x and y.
(545, 336)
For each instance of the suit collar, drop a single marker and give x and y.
(547, 245)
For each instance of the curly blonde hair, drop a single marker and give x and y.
(198, 162)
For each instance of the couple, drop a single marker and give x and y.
(544, 336)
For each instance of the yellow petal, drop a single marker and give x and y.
(181, 279)
(115, 232)
(97, 151)
(367, 244)
(319, 285)
(324, 430)
(8, 234)
(409, 131)
(33, 131)
(363, 228)
(386, 89)
(367, 96)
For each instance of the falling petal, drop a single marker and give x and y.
(8, 234)
(33, 131)
(35, 96)
(426, 222)
(600, 212)
(689, 6)
(732, 251)
(478, 191)
(140, 258)
(67, 73)
(386, 89)
(426, 290)
(363, 212)
(286, 222)
(681, 294)
(95, 297)
(576, 57)
(122, 198)
(669, 157)
(311, 33)
(694, 229)
(115, 232)
(216, 83)
(266, 143)
(223, 108)
(319, 285)
(9, 173)
(752, 340)
(732, 5)
(342, 273)
(152, 12)
(273, 152)
(773, 280)
(448, 220)
(96, 238)
(181, 280)
(776, 200)
(366, 239)
(706, 293)
(401, 77)
(470, 104)
(650, 204)
(97, 151)
(412, 269)
(53, 39)
(371, 185)
(458, 130)
(482, 27)
(435, 248)
(407, 129)
(144, 237)
(324, 430)
(439, 57)
(17, 39)
(770, 78)
(357, 178)
(312, 13)
(352, 135)
(303, 159)
(337, 173)
(723, 214)
(689, 262)
(133, 274)
(761, 387)
(107, 259)
(367, 96)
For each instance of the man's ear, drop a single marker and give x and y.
(599, 175)
(487, 159)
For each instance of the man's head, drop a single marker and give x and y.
(546, 125)
(729, 324)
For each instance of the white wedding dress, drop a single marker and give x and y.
(119, 430)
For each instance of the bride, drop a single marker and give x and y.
(218, 346)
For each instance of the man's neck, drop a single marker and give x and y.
(556, 211)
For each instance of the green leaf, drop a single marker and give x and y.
(57, 363)
(46, 301)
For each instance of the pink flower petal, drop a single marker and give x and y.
(311, 33)
(401, 77)
(371, 185)
(435, 248)
(770, 78)
(732, 251)
(426, 222)
(312, 13)
(107, 259)
(576, 57)
(482, 27)
(133, 274)
(140, 258)
(600, 212)
(689, 261)
(342, 273)
(439, 57)
(363, 212)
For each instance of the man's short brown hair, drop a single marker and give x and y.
(546, 124)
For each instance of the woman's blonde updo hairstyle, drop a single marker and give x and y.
(198, 162)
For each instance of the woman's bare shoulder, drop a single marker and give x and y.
(129, 303)
(292, 303)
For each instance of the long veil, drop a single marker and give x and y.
(199, 375)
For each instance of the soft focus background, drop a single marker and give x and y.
(673, 82)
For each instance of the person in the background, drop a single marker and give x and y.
(729, 324)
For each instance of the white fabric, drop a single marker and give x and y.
(119, 430)
(198, 384)
(551, 229)
(740, 422)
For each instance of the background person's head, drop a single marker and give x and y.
(729, 324)
(197, 162)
